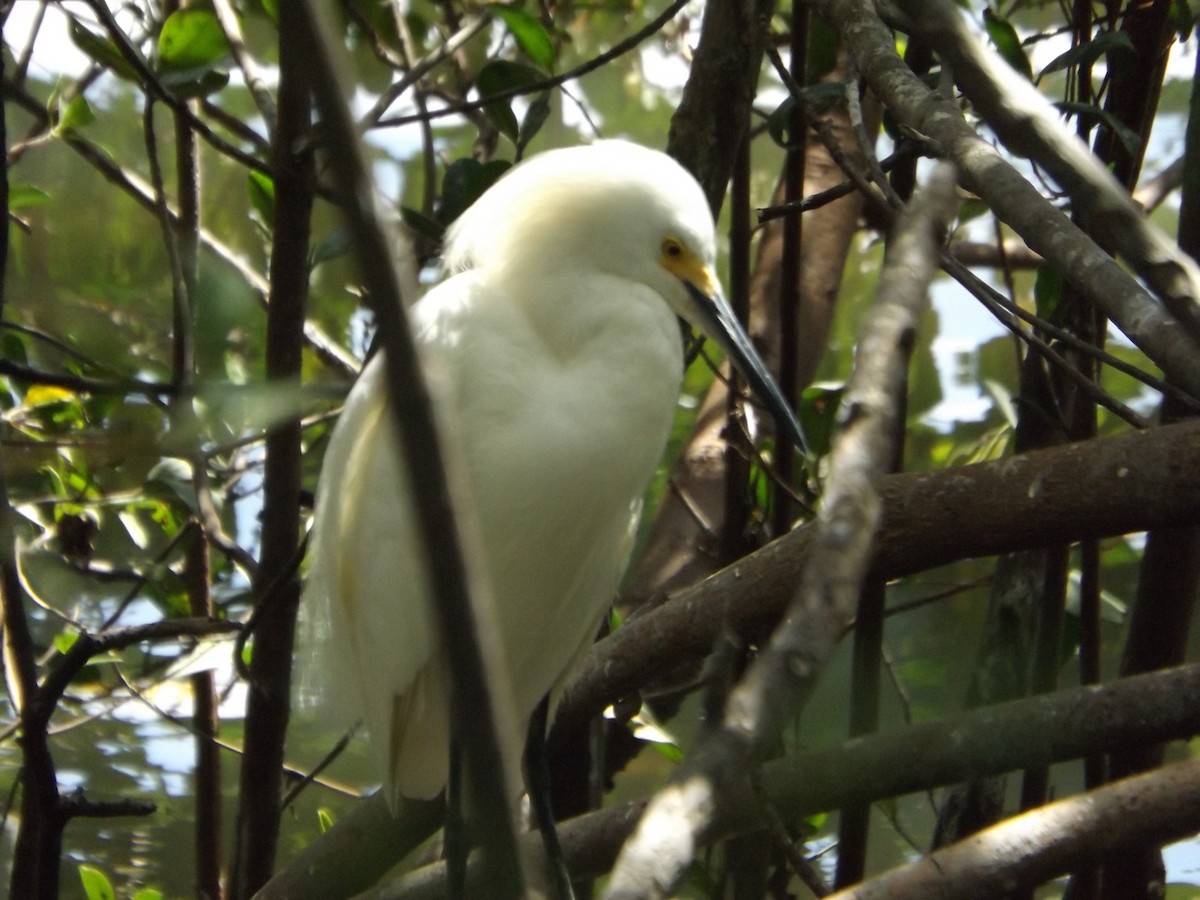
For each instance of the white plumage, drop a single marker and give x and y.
(554, 354)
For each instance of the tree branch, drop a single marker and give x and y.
(1014, 200)
(1021, 853)
(482, 721)
(1051, 728)
(1097, 488)
(1029, 126)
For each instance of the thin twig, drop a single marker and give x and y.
(617, 50)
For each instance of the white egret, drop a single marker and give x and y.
(555, 357)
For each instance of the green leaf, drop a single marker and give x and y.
(818, 98)
(1182, 19)
(823, 45)
(465, 180)
(535, 117)
(96, 884)
(818, 415)
(1106, 43)
(262, 196)
(779, 123)
(324, 819)
(103, 51)
(422, 224)
(672, 752)
(502, 75)
(65, 640)
(74, 115)
(1007, 43)
(971, 209)
(23, 196)
(1047, 291)
(199, 81)
(271, 8)
(337, 244)
(531, 36)
(148, 894)
(1130, 139)
(190, 38)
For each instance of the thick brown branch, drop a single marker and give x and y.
(1097, 488)
(1021, 853)
(990, 741)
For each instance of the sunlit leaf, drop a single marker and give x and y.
(148, 894)
(96, 884)
(176, 477)
(75, 114)
(134, 527)
(103, 51)
(530, 34)
(670, 751)
(1007, 42)
(65, 640)
(262, 196)
(23, 196)
(191, 38)
(1106, 43)
(1003, 399)
(42, 394)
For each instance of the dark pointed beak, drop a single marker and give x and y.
(715, 317)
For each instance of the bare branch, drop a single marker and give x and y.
(1021, 853)
(1006, 737)
(1026, 122)
(1017, 202)
(1097, 488)
(253, 75)
(484, 724)
(617, 50)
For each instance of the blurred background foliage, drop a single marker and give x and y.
(99, 462)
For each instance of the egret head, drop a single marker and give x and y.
(620, 208)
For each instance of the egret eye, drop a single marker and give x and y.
(671, 248)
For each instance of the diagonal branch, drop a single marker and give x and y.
(1006, 737)
(1029, 126)
(1094, 273)
(1023, 852)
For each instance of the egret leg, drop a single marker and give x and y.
(537, 778)
(457, 844)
